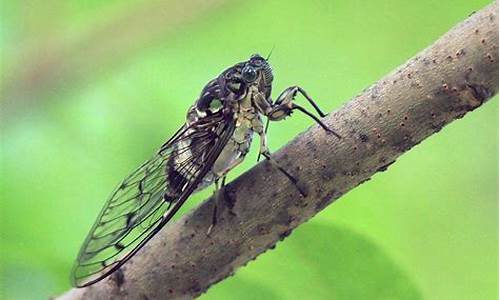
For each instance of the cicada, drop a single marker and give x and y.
(214, 139)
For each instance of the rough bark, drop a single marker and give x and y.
(455, 75)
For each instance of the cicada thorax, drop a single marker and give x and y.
(228, 93)
(232, 92)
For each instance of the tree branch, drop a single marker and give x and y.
(441, 84)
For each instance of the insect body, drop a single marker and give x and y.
(215, 139)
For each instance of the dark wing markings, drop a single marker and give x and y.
(139, 199)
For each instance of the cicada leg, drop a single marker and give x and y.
(264, 151)
(294, 180)
(220, 197)
(284, 106)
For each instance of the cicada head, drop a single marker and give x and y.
(257, 68)
(236, 80)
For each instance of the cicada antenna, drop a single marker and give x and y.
(270, 52)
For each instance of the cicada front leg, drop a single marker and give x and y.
(277, 111)
(284, 106)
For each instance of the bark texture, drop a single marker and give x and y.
(455, 75)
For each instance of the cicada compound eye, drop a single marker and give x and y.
(249, 73)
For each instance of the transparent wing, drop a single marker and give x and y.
(148, 198)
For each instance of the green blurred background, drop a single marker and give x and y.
(91, 88)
